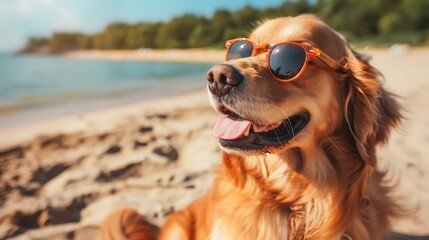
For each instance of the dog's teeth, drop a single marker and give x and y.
(247, 132)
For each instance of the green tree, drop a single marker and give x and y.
(63, 41)
(244, 20)
(390, 20)
(222, 21)
(175, 33)
(416, 13)
(34, 42)
(115, 35)
(201, 35)
(293, 8)
(142, 35)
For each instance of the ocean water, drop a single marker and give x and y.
(37, 83)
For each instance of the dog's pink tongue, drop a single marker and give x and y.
(229, 129)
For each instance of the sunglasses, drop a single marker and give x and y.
(286, 60)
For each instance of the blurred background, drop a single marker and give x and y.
(103, 102)
(57, 26)
(35, 30)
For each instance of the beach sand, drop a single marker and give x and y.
(61, 177)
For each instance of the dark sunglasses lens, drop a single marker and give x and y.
(240, 49)
(287, 60)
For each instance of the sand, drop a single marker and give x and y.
(61, 177)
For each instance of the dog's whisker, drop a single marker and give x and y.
(278, 138)
(261, 106)
(288, 122)
(254, 112)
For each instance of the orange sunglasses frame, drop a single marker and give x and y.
(310, 52)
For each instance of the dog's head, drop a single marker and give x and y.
(262, 114)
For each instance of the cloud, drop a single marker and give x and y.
(65, 20)
(60, 18)
(23, 18)
(27, 7)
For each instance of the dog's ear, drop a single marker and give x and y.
(370, 111)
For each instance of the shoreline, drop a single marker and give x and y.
(23, 114)
(17, 116)
(192, 55)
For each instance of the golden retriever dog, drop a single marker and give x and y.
(301, 117)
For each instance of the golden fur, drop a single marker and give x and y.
(323, 183)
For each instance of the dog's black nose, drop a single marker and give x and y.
(222, 78)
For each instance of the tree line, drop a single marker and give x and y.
(369, 21)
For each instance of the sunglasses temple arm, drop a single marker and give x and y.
(339, 67)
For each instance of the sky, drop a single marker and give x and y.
(20, 19)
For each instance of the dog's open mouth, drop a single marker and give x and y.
(235, 132)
